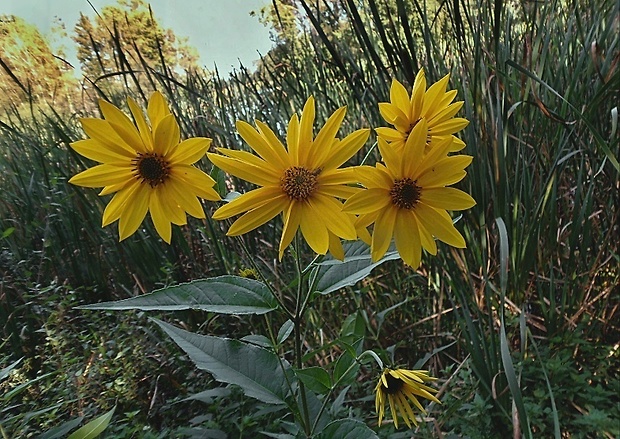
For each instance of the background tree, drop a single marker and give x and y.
(29, 69)
(127, 38)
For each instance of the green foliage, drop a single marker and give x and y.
(539, 80)
(222, 294)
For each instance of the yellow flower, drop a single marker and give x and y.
(148, 167)
(406, 197)
(401, 387)
(303, 180)
(434, 105)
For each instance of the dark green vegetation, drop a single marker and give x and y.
(540, 81)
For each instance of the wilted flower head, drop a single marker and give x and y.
(401, 388)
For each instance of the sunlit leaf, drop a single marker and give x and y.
(224, 294)
(94, 428)
(332, 274)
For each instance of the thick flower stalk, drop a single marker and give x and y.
(401, 388)
(433, 105)
(302, 181)
(147, 166)
(407, 197)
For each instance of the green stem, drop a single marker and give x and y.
(337, 383)
(297, 320)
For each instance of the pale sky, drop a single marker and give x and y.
(221, 30)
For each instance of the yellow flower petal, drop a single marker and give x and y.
(305, 130)
(189, 151)
(445, 172)
(322, 145)
(102, 175)
(400, 98)
(247, 201)
(330, 211)
(407, 238)
(161, 221)
(447, 198)
(389, 134)
(243, 170)
(274, 143)
(188, 201)
(134, 212)
(314, 230)
(166, 136)
(446, 113)
(426, 239)
(115, 207)
(258, 216)
(383, 232)
(157, 109)
(346, 149)
(434, 93)
(292, 139)
(260, 145)
(167, 199)
(95, 150)
(413, 151)
(122, 125)
(143, 127)
(200, 184)
(439, 224)
(101, 131)
(335, 247)
(254, 160)
(292, 219)
(367, 201)
(450, 126)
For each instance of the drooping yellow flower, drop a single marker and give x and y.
(303, 180)
(401, 387)
(148, 167)
(434, 105)
(407, 198)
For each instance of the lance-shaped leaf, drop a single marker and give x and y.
(94, 428)
(347, 429)
(331, 275)
(224, 294)
(258, 371)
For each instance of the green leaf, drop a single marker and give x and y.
(346, 368)
(331, 274)
(285, 331)
(347, 429)
(224, 294)
(209, 396)
(8, 232)
(62, 430)
(258, 371)
(94, 428)
(315, 378)
(354, 325)
(7, 370)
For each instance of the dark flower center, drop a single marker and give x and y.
(299, 183)
(151, 168)
(394, 385)
(405, 193)
(412, 126)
